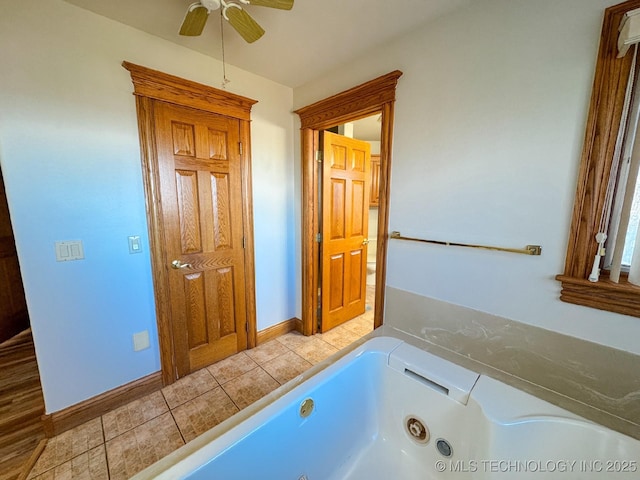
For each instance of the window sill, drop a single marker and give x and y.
(620, 297)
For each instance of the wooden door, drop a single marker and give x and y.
(345, 219)
(200, 173)
(13, 307)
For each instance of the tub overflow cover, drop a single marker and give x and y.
(306, 407)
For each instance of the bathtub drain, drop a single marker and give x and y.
(444, 447)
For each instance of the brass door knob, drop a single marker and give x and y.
(177, 264)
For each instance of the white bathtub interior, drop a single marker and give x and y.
(357, 428)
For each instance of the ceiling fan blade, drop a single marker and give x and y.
(246, 26)
(281, 4)
(195, 20)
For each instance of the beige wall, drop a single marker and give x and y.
(489, 124)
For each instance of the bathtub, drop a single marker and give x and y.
(388, 410)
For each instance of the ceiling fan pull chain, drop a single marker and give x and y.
(225, 80)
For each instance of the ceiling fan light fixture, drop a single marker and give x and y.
(210, 4)
(232, 11)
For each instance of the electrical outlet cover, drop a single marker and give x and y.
(140, 341)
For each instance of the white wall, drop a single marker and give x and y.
(71, 161)
(490, 119)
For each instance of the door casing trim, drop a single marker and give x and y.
(376, 96)
(149, 86)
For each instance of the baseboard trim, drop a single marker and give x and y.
(279, 329)
(63, 420)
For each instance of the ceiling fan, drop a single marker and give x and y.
(197, 14)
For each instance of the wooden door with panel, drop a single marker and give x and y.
(202, 207)
(345, 223)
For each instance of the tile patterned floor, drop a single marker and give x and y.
(124, 441)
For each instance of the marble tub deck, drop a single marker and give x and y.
(599, 383)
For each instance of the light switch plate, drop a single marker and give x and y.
(135, 246)
(69, 250)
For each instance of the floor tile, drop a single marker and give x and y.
(133, 414)
(286, 366)
(189, 387)
(293, 340)
(370, 295)
(267, 351)
(70, 444)
(48, 475)
(231, 367)
(249, 387)
(90, 465)
(360, 326)
(316, 351)
(204, 412)
(339, 337)
(136, 449)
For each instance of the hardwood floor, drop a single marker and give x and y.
(21, 404)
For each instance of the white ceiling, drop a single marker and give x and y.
(313, 38)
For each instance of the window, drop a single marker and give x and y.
(621, 211)
(602, 170)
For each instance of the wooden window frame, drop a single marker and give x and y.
(601, 137)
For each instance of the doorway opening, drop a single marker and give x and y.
(373, 98)
(349, 220)
(21, 394)
(368, 129)
(13, 315)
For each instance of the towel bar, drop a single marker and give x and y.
(528, 250)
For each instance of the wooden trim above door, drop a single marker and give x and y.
(168, 88)
(375, 96)
(150, 86)
(347, 106)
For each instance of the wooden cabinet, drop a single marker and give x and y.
(375, 180)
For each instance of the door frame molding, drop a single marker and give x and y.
(150, 86)
(373, 97)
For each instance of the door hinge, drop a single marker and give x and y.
(319, 156)
(240, 147)
(246, 327)
(244, 243)
(318, 237)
